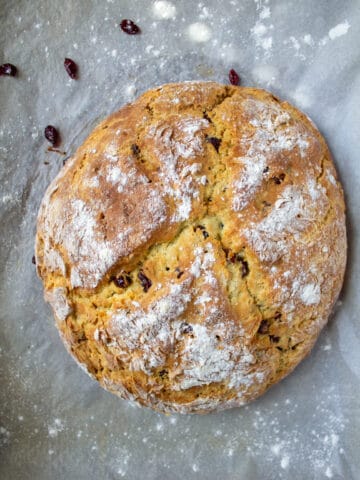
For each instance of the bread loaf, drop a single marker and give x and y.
(193, 247)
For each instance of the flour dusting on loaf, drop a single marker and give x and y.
(194, 245)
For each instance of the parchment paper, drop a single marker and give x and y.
(55, 422)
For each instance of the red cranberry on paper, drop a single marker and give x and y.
(129, 27)
(52, 135)
(71, 68)
(234, 77)
(8, 69)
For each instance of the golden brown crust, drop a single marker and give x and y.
(226, 200)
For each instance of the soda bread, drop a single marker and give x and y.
(193, 247)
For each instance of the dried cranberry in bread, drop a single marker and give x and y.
(193, 247)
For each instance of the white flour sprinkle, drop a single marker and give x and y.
(265, 74)
(310, 294)
(83, 243)
(57, 298)
(205, 13)
(266, 140)
(339, 30)
(285, 462)
(204, 298)
(125, 177)
(276, 449)
(265, 13)
(199, 32)
(7, 198)
(328, 472)
(93, 182)
(114, 174)
(130, 91)
(260, 31)
(76, 226)
(331, 178)
(54, 261)
(205, 358)
(172, 143)
(290, 215)
(150, 329)
(56, 427)
(164, 10)
(273, 442)
(4, 436)
(250, 179)
(294, 42)
(308, 39)
(302, 98)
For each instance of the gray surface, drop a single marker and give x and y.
(55, 422)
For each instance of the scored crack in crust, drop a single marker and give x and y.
(194, 246)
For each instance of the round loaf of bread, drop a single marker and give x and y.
(193, 247)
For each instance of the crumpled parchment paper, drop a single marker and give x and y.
(57, 423)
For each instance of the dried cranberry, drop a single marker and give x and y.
(234, 77)
(135, 149)
(144, 280)
(51, 134)
(122, 281)
(226, 251)
(179, 272)
(8, 69)
(244, 268)
(274, 338)
(206, 117)
(186, 328)
(236, 257)
(202, 228)
(163, 373)
(215, 142)
(129, 27)
(233, 258)
(33, 260)
(277, 180)
(264, 327)
(71, 68)
(266, 169)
